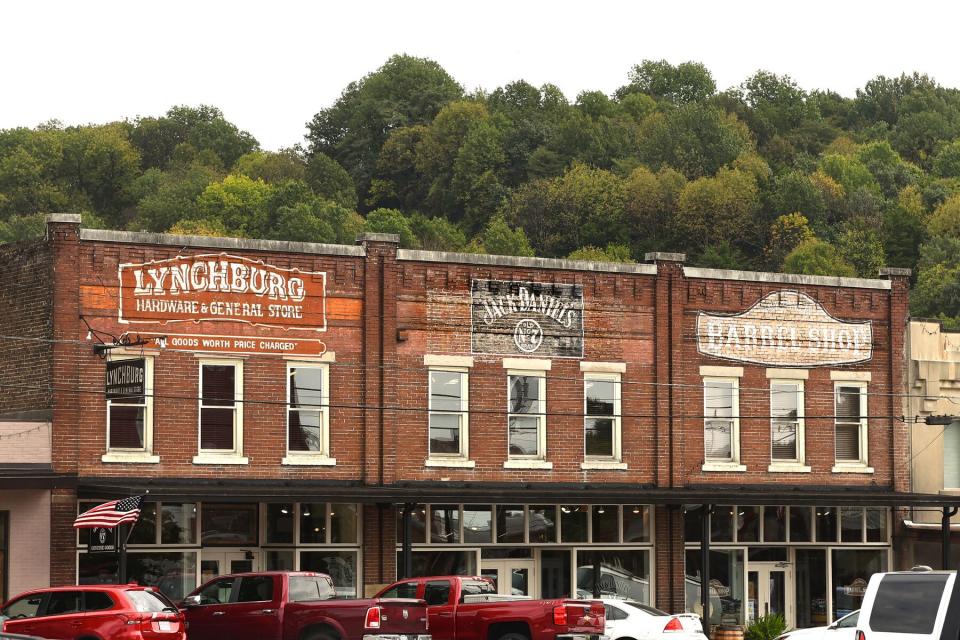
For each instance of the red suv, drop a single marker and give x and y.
(101, 612)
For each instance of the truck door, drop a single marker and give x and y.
(441, 609)
(256, 611)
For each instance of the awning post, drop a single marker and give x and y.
(407, 542)
(705, 568)
(945, 536)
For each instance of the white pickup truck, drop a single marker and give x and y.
(920, 604)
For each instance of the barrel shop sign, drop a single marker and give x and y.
(527, 318)
(222, 288)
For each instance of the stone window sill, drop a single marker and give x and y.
(788, 467)
(852, 468)
(527, 464)
(309, 461)
(453, 463)
(603, 465)
(724, 467)
(210, 458)
(129, 457)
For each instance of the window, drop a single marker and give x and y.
(437, 592)
(97, 601)
(306, 588)
(951, 455)
(526, 415)
(25, 607)
(229, 524)
(721, 422)
(602, 416)
(130, 418)
(60, 603)
(851, 423)
(221, 413)
(448, 413)
(339, 565)
(255, 589)
(402, 590)
(786, 421)
(308, 400)
(907, 603)
(218, 592)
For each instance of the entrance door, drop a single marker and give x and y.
(770, 591)
(217, 562)
(511, 576)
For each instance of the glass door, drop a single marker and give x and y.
(511, 576)
(216, 562)
(770, 591)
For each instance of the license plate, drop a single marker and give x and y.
(165, 625)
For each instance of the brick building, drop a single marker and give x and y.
(563, 427)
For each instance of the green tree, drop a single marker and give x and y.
(203, 127)
(786, 233)
(680, 84)
(206, 227)
(437, 234)
(611, 253)
(945, 220)
(23, 228)
(331, 181)
(392, 221)
(819, 258)
(239, 203)
(859, 243)
(164, 197)
(903, 230)
(946, 164)
(272, 167)
(720, 209)
(499, 238)
(100, 162)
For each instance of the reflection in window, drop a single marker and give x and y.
(785, 408)
(721, 524)
(748, 523)
(543, 523)
(774, 524)
(279, 559)
(178, 523)
(145, 531)
(525, 416)
(448, 409)
(602, 419)
(173, 573)
(555, 573)
(307, 405)
(852, 569)
(718, 425)
(343, 523)
(826, 524)
(801, 527)
(851, 524)
(448, 562)
(313, 522)
(726, 585)
(619, 574)
(229, 524)
(510, 523)
(811, 587)
(636, 523)
(418, 524)
(444, 523)
(573, 523)
(876, 524)
(341, 566)
(279, 523)
(477, 523)
(605, 523)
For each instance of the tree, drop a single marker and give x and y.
(405, 91)
(23, 228)
(499, 239)
(205, 227)
(819, 258)
(203, 127)
(331, 181)
(680, 84)
(946, 164)
(786, 233)
(239, 203)
(392, 221)
(272, 167)
(945, 220)
(776, 105)
(720, 209)
(611, 253)
(903, 230)
(101, 163)
(859, 243)
(437, 234)
(164, 197)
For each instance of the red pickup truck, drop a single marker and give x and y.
(468, 608)
(284, 605)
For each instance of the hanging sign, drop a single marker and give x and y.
(102, 540)
(125, 379)
(527, 318)
(785, 329)
(223, 288)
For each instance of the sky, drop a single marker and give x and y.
(270, 66)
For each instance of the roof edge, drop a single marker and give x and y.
(417, 255)
(285, 246)
(785, 278)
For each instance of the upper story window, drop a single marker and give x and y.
(526, 415)
(448, 413)
(130, 421)
(221, 409)
(308, 419)
(601, 424)
(786, 421)
(721, 424)
(951, 455)
(851, 423)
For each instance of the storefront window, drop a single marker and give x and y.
(343, 523)
(145, 529)
(619, 574)
(748, 524)
(341, 566)
(442, 563)
(852, 569)
(229, 524)
(172, 572)
(876, 519)
(543, 523)
(726, 585)
(279, 524)
(313, 523)
(692, 522)
(555, 573)
(573, 523)
(279, 559)
(477, 523)
(418, 524)
(178, 523)
(801, 529)
(811, 588)
(4, 527)
(605, 523)
(636, 523)
(445, 523)
(510, 524)
(721, 524)
(774, 524)
(851, 525)
(826, 524)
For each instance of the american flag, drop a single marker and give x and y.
(110, 514)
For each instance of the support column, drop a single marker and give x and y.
(705, 568)
(407, 542)
(945, 537)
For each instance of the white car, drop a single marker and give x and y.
(843, 629)
(628, 620)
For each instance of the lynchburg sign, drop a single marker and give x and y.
(784, 329)
(222, 287)
(527, 318)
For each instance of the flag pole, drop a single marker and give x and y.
(123, 550)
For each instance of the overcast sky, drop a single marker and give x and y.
(271, 65)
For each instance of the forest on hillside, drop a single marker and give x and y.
(762, 176)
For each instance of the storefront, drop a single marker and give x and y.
(545, 551)
(808, 564)
(176, 546)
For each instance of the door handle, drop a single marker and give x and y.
(218, 613)
(268, 611)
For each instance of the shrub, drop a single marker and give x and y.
(765, 628)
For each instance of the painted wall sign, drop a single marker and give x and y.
(125, 378)
(235, 344)
(785, 329)
(527, 318)
(222, 288)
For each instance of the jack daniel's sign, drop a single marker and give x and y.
(512, 317)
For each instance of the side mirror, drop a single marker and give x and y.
(190, 601)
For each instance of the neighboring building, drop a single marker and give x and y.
(933, 400)
(557, 425)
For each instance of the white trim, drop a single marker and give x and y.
(723, 466)
(308, 460)
(527, 463)
(419, 255)
(788, 467)
(212, 458)
(788, 374)
(321, 457)
(784, 278)
(850, 376)
(129, 457)
(710, 371)
(464, 415)
(326, 356)
(617, 453)
(458, 463)
(435, 360)
(603, 367)
(603, 465)
(851, 468)
(237, 452)
(527, 364)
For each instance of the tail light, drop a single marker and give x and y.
(861, 635)
(372, 621)
(560, 616)
(674, 625)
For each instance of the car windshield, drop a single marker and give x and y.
(646, 608)
(146, 601)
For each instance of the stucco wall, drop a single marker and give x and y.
(29, 544)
